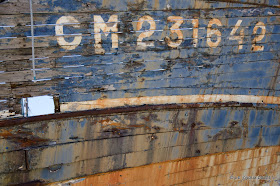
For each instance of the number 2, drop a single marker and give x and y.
(145, 34)
(258, 37)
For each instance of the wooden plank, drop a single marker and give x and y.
(125, 145)
(232, 158)
(192, 171)
(12, 161)
(128, 19)
(88, 39)
(189, 57)
(111, 163)
(154, 84)
(77, 94)
(40, 6)
(209, 125)
(39, 19)
(137, 68)
(127, 23)
(160, 100)
(109, 147)
(88, 50)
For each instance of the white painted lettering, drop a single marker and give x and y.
(111, 25)
(59, 31)
(259, 37)
(175, 29)
(213, 31)
(238, 38)
(145, 34)
(195, 32)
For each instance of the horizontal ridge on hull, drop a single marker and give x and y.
(155, 100)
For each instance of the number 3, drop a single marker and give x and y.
(175, 29)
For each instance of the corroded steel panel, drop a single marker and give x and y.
(243, 167)
(66, 148)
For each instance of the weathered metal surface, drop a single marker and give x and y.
(66, 148)
(169, 80)
(244, 167)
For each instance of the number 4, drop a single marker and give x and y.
(238, 38)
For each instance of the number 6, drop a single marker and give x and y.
(215, 31)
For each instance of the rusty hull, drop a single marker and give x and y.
(255, 166)
(66, 148)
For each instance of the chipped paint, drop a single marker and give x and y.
(139, 86)
(157, 100)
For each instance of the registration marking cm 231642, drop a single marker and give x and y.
(213, 35)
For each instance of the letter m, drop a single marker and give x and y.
(111, 25)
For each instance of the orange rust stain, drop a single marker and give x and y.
(146, 118)
(105, 120)
(22, 138)
(112, 124)
(6, 133)
(108, 122)
(214, 169)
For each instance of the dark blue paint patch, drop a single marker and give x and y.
(254, 132)
(252, 118)
(83, 122)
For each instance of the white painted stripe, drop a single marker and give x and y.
(8, 37)
(180, 19)
(73, 56)
(159, 100)
(73, 77)
(56, 24)
(107, 33)
(73, 66)
(146, 21)
(41, 80)
(40, 69)
(106, 22)
(147, 31)
(78, 34)
(7, 26)
(182, 29)
(39, 58)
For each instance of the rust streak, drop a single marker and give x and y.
(22, 138)
(214, 169)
